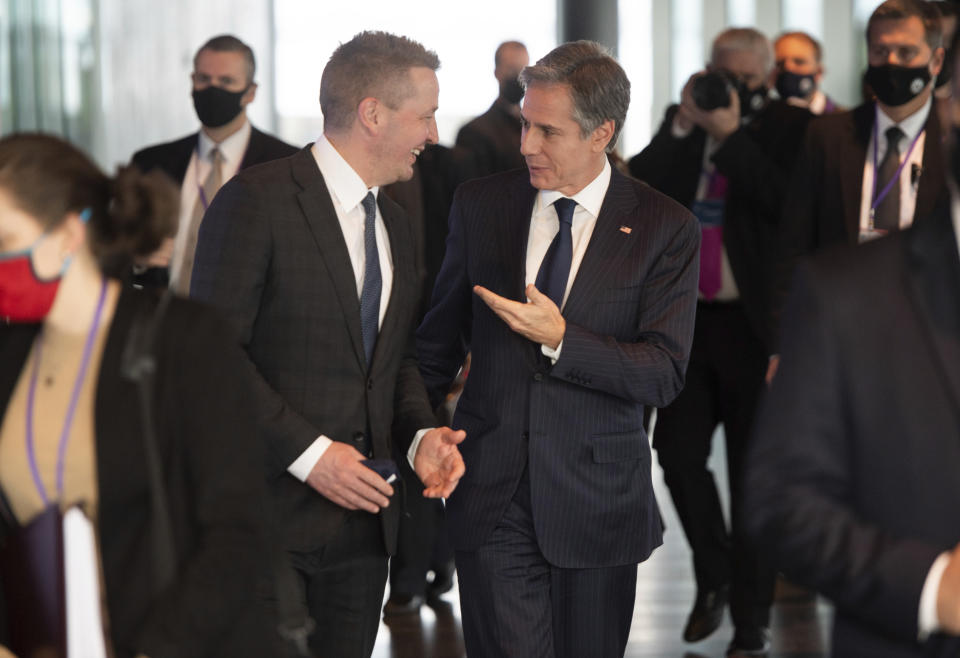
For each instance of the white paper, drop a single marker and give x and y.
(85, 638)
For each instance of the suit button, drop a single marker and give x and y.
(369, 384)
(538, 377)
(358, 438)
(525, 436)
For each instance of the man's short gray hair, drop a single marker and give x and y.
(373, 64)
(743, 38)
(598, 86)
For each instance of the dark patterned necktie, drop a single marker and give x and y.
(555, 268)
(372, 282)
(887, 215)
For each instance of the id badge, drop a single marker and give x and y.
(709, 211)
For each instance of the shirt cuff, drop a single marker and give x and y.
(412, 452)
(553, 354)
(679, 132)
(927, 621)
(301, 468)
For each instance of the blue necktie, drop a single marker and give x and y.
(555, 268)
(372, 283)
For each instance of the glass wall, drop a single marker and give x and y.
(464, 35)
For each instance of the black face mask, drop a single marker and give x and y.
(217, 107)
(511, 90)
(946, 73)
(751, 100)
(897, 85)
(795, 85)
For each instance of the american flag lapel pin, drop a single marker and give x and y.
(626, 229)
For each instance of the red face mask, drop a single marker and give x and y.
(24, 296)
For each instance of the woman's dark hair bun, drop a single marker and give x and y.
(141, 212)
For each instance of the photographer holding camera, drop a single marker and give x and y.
(726, 152)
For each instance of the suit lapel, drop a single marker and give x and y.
(607, 246)
(513, 234)
(933, 285)
(930, 187)
(853, 160)
(321, 217)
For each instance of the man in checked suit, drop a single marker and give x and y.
(319, 274)
(223, 87)
(575, 289)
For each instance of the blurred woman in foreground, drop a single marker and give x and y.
(71, 428)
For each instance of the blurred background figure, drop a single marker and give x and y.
(725, 152)
(869, 171)
(852, 483)
(799, 71)
(493, 138)
(223, 87)
(71, 430)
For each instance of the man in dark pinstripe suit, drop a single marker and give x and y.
(575, 289)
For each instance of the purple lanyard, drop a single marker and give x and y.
(878, 199)
(71, 409)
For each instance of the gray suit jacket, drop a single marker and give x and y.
(272, 255)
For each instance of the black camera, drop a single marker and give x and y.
(712, 90)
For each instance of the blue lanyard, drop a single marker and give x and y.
(878, 199)
(71, 409)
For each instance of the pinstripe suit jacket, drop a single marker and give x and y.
(272, 255)
(579, 423)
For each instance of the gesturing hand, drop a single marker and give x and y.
(948, 596)
(339, 476)
(539, 319)
(438, 462)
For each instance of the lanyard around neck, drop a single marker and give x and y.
(71, 408)
(895, 179)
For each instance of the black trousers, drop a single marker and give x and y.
(342, 587)
(724, 381)
(514, 603)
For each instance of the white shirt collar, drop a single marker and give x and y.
(911, 126)
(231, 149)
(345, 185)
(590, 198)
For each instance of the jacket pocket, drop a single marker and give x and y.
(618, 447)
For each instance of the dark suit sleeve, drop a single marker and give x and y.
(664, 157)
(763, 170)
(650, 370)
(215, 445)
(799, 491)
(444, 336)
(799, 221)
(234, 250)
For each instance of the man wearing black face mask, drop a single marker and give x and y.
(799, 71)
(870, 171)
(493, 138)
(730, 165)
(200, 163)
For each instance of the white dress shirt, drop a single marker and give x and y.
(928, 621)
(232, 150)
(912, 126)
(347, 191)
